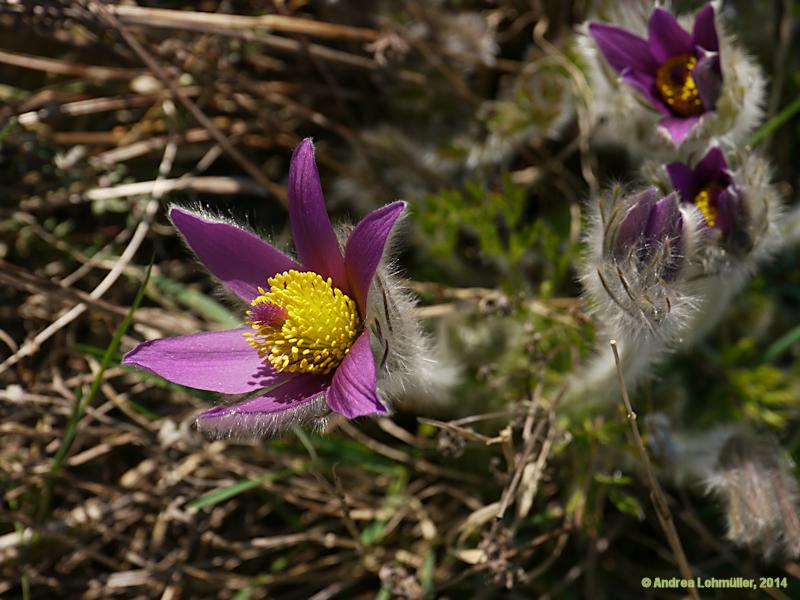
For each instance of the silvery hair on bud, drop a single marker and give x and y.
(740, 106)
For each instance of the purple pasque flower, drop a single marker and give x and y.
(710, 187)
(677, 72)
(305, 338)
(650, 233)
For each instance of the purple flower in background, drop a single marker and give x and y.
(305, 337)
(678, 72)
(651, 233)
(709, 186)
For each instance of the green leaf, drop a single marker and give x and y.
(80, 404)
(782, 344)
(245, 593)
(774, 123)
(226, 493)
(427, 572)
(626, 503)
(8, 128)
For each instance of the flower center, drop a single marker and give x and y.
(303, 324)
(676, 85)
(706, 201)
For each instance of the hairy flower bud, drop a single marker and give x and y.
(639, 246)
(753, 478)
(636, 275)
(748, 472)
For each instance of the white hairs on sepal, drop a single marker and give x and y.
(233, 424)
(404, 359)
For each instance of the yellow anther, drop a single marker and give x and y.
(676, 85)
(315, 326)
(703, 202)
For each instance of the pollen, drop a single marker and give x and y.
(303, 324)
(706, 202)
(676, 85)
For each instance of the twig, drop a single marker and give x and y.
(206, 185)
(397, 455)
(289, 45)
(60, 67)
(530, 437)
(289, 24)
(656, 493)
(96, 105)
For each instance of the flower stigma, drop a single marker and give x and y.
(706, 201)
(303, 324)
(676, 85)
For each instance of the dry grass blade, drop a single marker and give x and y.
(288, 24)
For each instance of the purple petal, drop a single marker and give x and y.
(646, 83)
(219, 361)
(683, 180)
(295, 401)
(665, 223)
(314, 238)
(365, 248)
(666, 37)
(707, 76)
(624, 51)
(635, 221)
(665, 219)
(727, 209)
(353, 392)
(239, 259)
(712, 168)
(678, 127)
(705, 31)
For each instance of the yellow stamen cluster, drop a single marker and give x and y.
(676, 85)
(703, 202)
(315, 329)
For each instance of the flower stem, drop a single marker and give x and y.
(774, 123)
